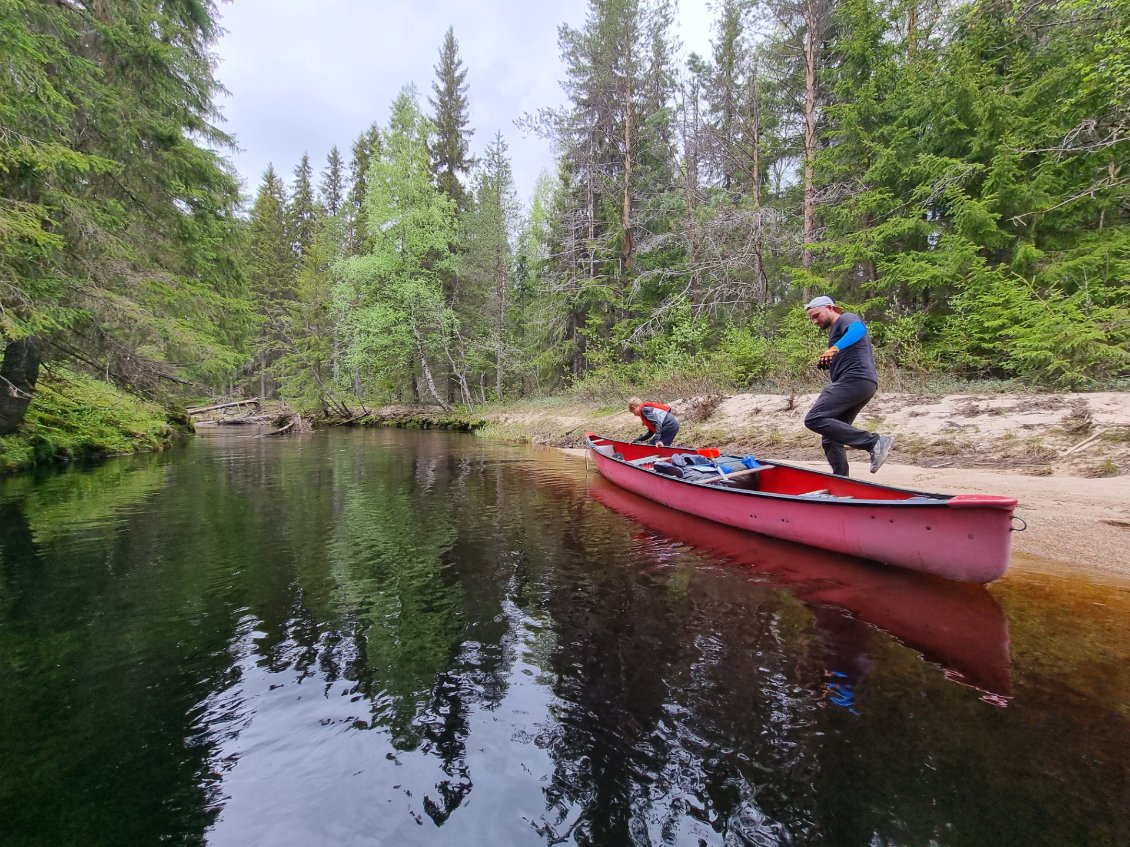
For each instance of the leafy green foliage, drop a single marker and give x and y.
(394, 316)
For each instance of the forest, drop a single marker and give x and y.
(956, 172)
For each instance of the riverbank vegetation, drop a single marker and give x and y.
(75, 416)
(956, 173)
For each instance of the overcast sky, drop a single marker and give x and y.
(305, 75)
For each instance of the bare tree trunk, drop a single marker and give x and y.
(335, 356)
(457, 373)
(811, 22)
(761, 285)
(591, 211)
(427, 371)
(18, 374)
(627, 170)
(912, 30)
(691, 137)
(500, 295)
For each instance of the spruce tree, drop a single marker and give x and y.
(116, 245)
(488, 264)
(450, 144)
(365, 148)
(331, 189)
(270, 266)
(303, 213)
(615, 138)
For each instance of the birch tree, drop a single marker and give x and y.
(396, 319)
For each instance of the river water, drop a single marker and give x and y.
(400, 638)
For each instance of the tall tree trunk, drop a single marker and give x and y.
(810, 18)
(427, 371)
(912, 30)
(335, 356)
(591, 204)
(761, 283)
(500, 317)
(691, 137)
(18, 374)
(627, 171)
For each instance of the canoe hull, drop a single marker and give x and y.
(965, 538)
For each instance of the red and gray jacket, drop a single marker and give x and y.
(653, 415)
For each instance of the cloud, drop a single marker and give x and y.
(305, 75)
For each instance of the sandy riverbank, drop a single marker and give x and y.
(1065, 457)
(1071, 521)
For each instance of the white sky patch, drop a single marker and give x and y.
(305, 75)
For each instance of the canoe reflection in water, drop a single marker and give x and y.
(959, 626)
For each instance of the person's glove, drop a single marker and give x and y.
(825, 360)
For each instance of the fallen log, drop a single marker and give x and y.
(200, 410)
(247, 419)
(280, 431)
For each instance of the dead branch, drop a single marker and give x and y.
(1081, 445)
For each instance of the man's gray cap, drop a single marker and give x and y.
(817, 302)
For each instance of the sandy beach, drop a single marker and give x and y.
(1065, 457)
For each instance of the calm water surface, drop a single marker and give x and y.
(392, 638)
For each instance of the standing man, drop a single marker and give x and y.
(851, 361)
(662, 427)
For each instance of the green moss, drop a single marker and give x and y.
(74, 416)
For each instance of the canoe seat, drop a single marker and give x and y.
(748, 471)
(646, 460)
(822, 494)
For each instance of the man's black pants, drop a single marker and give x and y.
(832, 415)
(667, 431)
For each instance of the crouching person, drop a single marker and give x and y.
(662, 425)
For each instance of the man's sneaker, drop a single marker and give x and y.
(880, 450)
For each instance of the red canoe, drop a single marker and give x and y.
(966, 537)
